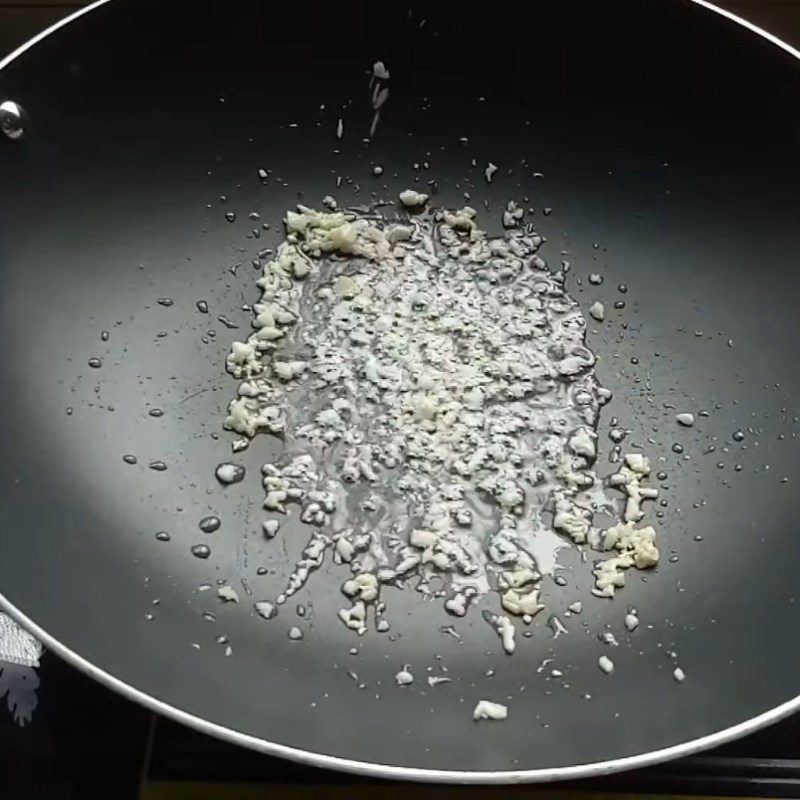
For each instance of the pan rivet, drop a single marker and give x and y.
(12, 119)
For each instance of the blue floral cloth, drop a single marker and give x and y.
(19, 657)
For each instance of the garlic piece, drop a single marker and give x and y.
(411, 199)
(486, 709)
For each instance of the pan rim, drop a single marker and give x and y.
(375, 770)
(370, 769)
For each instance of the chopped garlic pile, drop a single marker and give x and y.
(438, 404)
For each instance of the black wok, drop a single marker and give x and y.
(666, 136)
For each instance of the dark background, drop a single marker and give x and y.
(22, 19)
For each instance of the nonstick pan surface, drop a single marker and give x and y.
(666, 138)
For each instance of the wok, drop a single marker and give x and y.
(666, 138)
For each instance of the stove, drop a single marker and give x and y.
(65, 737)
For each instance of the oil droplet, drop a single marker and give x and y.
(227, 322)
(129, 459)
(157, 466)
(261, 571)
(165, 301)
(720, 465)
(230, 216)
(738, 436)
(622, 288)
(674, 559)
(677, 448)
(698, 537)
(619, 304)
(104, 335)
(95, 363)
(202, 306)
(156, 412)
(738, 468)
(201, 551)
(209, 524)
(662, 476)
(163, 536)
